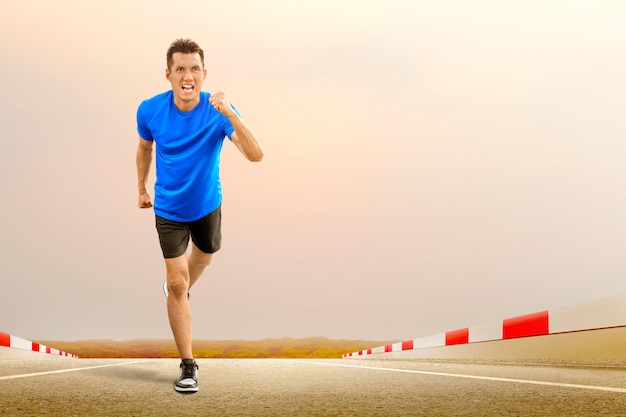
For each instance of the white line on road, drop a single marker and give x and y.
(486, 378)
(60, 371)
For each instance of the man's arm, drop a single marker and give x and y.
(243, 137)
(144, 160)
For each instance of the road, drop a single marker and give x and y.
(284, 387)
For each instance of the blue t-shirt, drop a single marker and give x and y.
(188, 146)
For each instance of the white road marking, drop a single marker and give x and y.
(486, 378)
(60, 371)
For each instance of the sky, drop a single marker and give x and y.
(429, 165)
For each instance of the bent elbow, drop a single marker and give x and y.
(256, 157)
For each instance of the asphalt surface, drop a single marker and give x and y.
(348, 387)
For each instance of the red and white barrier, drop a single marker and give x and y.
(601, 314)
(10, 341)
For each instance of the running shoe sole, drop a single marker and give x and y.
(183, 390)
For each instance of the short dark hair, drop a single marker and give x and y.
(186, 46)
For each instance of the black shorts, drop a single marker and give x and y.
(206, 234)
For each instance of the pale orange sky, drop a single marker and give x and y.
(429, 165)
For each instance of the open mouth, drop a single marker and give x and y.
(188, 88)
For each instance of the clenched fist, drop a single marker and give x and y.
(220, 102)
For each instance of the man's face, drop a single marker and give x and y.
(186, 75)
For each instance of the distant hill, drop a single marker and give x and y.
(312, 347)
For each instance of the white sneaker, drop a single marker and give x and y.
(187, 382)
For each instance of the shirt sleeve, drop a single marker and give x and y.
(142, 126)
(228, 127)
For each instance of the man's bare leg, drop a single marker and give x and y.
(198, 261)
(182, 273)
(178, 309)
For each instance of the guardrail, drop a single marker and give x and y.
(11, 341)
(601, 314)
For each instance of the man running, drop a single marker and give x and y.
(188, 126)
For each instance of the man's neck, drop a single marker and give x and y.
(186, 106)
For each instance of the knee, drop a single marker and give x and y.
(177, 283)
